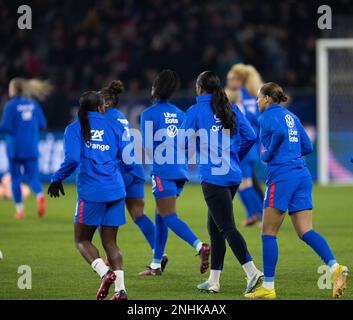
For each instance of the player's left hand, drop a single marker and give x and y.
(55, 188)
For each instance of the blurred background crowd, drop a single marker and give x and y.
(83, 44)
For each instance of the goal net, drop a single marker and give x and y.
(335, 110)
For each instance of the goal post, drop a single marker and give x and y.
(334, 81)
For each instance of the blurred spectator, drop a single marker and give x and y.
(86, 43)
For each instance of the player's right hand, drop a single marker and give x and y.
(55, 188)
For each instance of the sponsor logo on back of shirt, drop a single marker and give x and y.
(250, 106)
(216, 127)
(125, 122)
(290, 121)
(172, 131)
(26, 111)
(292, 132)
(97, 135)
(170, 118)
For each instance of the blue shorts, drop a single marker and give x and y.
(163, 188)
(134, 186)
(109, 214)
(293, 195)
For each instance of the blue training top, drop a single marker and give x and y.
(22, 120)
(166, 119)
(251, 109)
(135, 169)
(252, 113)
(285, 142)
(201, 116)
(99, 178)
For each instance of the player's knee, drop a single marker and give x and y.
(269, 230)
(81, 244)
(227, 230)
(301, 233)
(109, 245)
(136, 208)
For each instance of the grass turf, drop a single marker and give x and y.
(59, 272)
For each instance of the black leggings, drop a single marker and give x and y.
(221, 225)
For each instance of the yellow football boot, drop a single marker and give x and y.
(261, 293)
(339, 281)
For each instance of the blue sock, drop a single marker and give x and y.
(318, 243)
(245, 197)
(147, 228)
(251, 201)
(248, 257)
(16, 189)
(161, 236)
(181, 229)
(269, 257)
(32, 175)
(256, 201)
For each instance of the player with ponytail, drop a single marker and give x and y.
(94, 146)
(289, 188)
(214, 114)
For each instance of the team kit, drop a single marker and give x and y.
(225, 133)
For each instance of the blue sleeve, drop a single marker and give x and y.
(305, 143)
(277, 137)
(182, 116)
(41, 118)
(7, 121)
(189, 122)
(146, 116)
(123, 136)
(247, 134)
(189, 119)
(72, 147)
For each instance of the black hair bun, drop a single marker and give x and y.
(117, 86)
(283, 98)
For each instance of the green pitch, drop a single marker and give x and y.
(59, 272)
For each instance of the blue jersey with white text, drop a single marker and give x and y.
(251, 109)
(135, 169)
(210, 147)
(252, 113)
(98, 161)
(22, 120)
(161, 123)
(285, 142)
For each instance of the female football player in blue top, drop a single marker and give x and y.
(222, 133)
(159, 122)
(94, 145)
(289, 188)
(246, 80)
(134, 176)
(22, 120)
